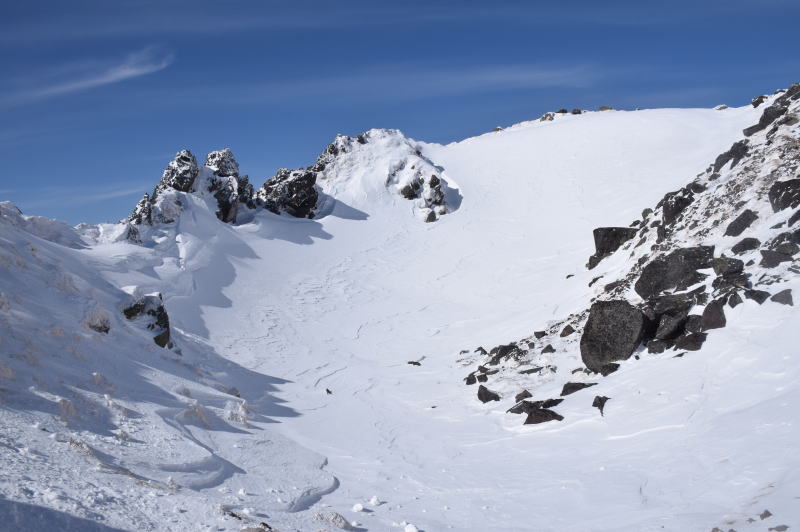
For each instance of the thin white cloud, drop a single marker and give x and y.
(393, 82)
(77, 195)
(140, 63)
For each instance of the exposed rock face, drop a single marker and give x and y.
(785, 194)
(678, 270)
(742, 222)
(222, 163)
(612, 332)
(143, 212)
(293, 192)
(771, 113)
(152, 307)
(179, 174)
(674, 203)
(607, 240)
(745, 245)
(737, 152)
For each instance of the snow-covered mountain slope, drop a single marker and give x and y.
(316, 364)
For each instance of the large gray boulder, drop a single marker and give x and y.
(612, 332)
(785, 194)
(677, 270)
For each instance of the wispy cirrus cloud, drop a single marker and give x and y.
(399, 82)
(74, 196)
(78, 77)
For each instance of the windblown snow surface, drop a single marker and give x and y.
(287, 397)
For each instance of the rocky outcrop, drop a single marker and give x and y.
(607, 240)
(612, 332)
(293, 192)
(222, 163)
(179, 174)
(143, 212)
(151, 309)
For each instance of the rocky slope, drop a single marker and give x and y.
(729, 236)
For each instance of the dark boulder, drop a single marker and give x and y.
(572, 387)
(770, 114)
(758, 100)
(539, 334)
(727, 266)
(600, 402)
(482, 377)
(670, 325)
(784, 194)
(674, 203)
(613, 331)
(548, 349)
(759, 296)
(608, 369)
(735, 154)
(745, 245)
(607, 240)
(470, 379)
(526, 407)
(524, 394)
(771, 259)
(742, 222)
(485, 394)
(734, 299)
(784, 297)
(714, 315)
(542, 415)
(694, 323)
(691, 341)
(677, 270)
(658, 346)
(290, 191)
(566, 331)
(793, 219)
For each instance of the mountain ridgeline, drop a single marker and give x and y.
(294, 193)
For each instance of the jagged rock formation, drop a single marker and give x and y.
(151, 307)
(179, 174)
(293, 192)
(674, 289)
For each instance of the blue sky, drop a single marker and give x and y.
(97, 96)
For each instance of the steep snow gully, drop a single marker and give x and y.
(318, 353)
